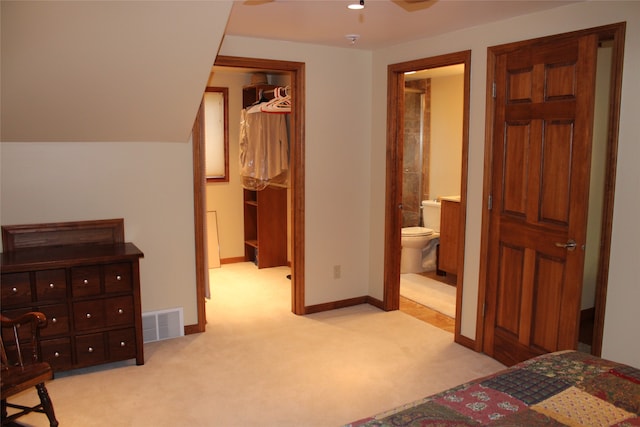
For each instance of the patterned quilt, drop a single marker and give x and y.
(557, 389)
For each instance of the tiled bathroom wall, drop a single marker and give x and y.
(416, 151)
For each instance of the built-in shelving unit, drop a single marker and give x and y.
(265, 226)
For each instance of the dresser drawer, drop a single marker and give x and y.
(122, 344)
(57, 352)
(90, 349)
(88, 315)
(117, 277)
(85, 281)
(51, 285)
(57, 320)
(119, 311)
(16, 289)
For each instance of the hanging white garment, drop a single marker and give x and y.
(264, 148)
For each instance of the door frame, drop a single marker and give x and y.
(297, 175)
(615, 33)
(393, 211)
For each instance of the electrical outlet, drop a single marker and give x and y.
(336, 271)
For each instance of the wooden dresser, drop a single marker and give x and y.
(86, 280)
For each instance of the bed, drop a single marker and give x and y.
(557, 389)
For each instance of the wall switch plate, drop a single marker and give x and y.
(337, 271)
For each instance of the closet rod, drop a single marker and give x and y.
(272, 91)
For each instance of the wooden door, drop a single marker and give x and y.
(543, 119)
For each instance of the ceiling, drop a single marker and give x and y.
(382, 23)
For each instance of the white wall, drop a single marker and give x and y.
(106, 70)
(226, 197)
(147, 184)
(598, 174)
(337, 123)
(621, 336)
(98, 72)
(445, 166)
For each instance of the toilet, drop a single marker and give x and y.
(419, 244)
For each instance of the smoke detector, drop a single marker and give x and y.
(353, 38)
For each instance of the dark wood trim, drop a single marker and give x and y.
(605, 32)
(225, 99)
(486, 193)
(375, 302)
(393, 185)
(298, 189)
(393, 214)
(615, 32)
(462, 224)
(103, 231)
(336, 304)
(192, 329)
(232, 260)
(466, 341)
(199, 213)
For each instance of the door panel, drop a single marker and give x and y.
(546, 317)
(540, 185)
(509, 297)
(516, 178)
(556, 172)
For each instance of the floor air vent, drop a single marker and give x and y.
(162, 325)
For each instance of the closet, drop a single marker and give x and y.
(265, 209)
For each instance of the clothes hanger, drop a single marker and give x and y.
(280, 103)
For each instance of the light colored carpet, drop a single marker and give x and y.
(430, 293)
(259, 364)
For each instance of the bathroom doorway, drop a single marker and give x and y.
(409, 182)
(431, 174)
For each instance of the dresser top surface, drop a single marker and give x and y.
(68, 255)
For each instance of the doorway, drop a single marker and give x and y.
(297, 72)
(538, 187)
(394, 211)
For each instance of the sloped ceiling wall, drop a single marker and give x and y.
(106, 70)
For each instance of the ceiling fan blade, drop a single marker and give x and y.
(256, 2)
(414, 5)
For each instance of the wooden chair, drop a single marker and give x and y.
(21, 369)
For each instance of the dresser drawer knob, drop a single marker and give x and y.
(54, 320)
(85, 281)
(122, 344)
(56, 354)
(120, 311)
(90, 349)
(51, 285)
(88, 315)
(14, 290)
(118, 277)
